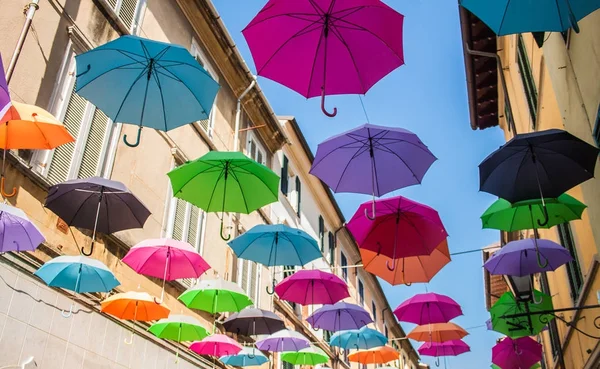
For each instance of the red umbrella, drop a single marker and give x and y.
(307, 287)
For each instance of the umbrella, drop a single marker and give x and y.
(249, 356)
(97, 204)
(167, 259)
(312, 287)
(507, 17)
(253, 321)
(340, 316)
(225, 182)
(392, 158)
(428, 308)
(179, 328)
(364, 338)
(448, 348)
(311, 355)
(326, 48)
(4, 94)
(216, 345)
(17, 232)
(412, 269)
(517, 353)
(437, 332)
(139, 81)
(282, 341)
(416, 228)
(525, 325)
(534, 366)
(79, 274)
(378, 355)
(216, 296)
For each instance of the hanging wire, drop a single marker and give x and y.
(363, 107)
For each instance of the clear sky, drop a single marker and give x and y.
(427, 96)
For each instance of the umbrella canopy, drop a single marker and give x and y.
(216, 296)
(438, 332)
(282, 341)
(79, 274)
(312, 287)
(372, 160)
(428, 308)
(326, 49)
(534, 366)
(402, 228)
(97, 204)
(139, 81)
(521, 326)
(133, 305)
(448, 348)
(4, 94)
(340, 316)
(517, 353)
(519, 258)
(311, 355)
(216, 345)
(17, 232)
(253, 321)
(537, 165)
(530, 214)
(411, 269)
(276, 245)
(179, 328)
(378, 355)
(360, 339)
(249, 356)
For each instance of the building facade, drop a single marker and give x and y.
(527, 83)
(31, 321)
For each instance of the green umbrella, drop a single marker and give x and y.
(179, 328)
(311, 355)
(521, 215)
(216, 296)
(225, 182)
(525, 325)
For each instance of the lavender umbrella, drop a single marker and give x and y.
(17, 233)
(340, 316)
(4, 95)
(282, 341)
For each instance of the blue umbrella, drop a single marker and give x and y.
(139, 81)
(360, 339)
(507, 17)
(79, 274)
(249, 356)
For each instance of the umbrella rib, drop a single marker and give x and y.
(354, 156)
(236, 166)
(503, 16)
(295, 248)
(336, 32)
(162, 98)
(111, 70)
(188, 88)
(234, 175)
(389, 151)
(128, 92)
(212, 195)
(129, 207)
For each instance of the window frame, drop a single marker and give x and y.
(251, 137)
(359, 284)
(344, 263)
(528, 80)
(138, 15)
(574, 272)
(205, 63)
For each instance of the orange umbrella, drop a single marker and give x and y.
(413, 269)
(30, 127)
(439, 332)
(378, 355)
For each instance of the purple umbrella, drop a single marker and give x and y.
(17, 233)
(340, 316)
(518, 258)
(516, 353)
(283, 340)
(4, 94)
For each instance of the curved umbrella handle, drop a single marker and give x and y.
(222, 236)
(137, 141)
(251, 357)
(437, 361)
(4, 194)
(391, 268)
(539, 259)
(546, 217)
(330, 115)
(91, 250)
(407, 284)
(367, 213)
(67, 315)
(272, 290)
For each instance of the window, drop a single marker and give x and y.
(298, 195)
(344, 264)
(255, 150)
(129, 12)
(361, 292)
(374, 309)
(284, 184)
(249, 274)
(326, 336)
(573, 268)
(527, 79)
(331, 242)
(597, 128)
(207, 124)
(385, 330)
(322, 233)
(286, 365)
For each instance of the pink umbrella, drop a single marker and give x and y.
(428, 308)
(326, 47)
(448, 348)
(216, 345)
(312, 287)
(516, 353)
(167, 259)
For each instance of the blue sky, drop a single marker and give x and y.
(427, 96)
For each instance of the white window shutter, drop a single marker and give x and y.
(94, 146)
(194, 227)
(244, 280)
(112, 3)
(253, 281)
(127, 12)
(179, 219)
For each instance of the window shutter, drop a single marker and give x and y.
(178, 224)
(127, 12)
(322, 233)
(299, 195)
(112, 3)
(284, 175)
(205, 124)
(194, 227)
(244, 281)
(94, 145)
(331, 242)
(253, 282)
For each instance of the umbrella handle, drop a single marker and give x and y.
(4, 194)
(367, 213)
(91, 250)
(222, 236)
(137, 141)
(330, 115)
(546, 217)
(251, 357)
(272, 290)
(67, 315)
(391, 268)
(437, 361)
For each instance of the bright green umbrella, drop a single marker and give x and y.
(525, 325)
(179, 328)
(216, 296)
(521, 215)
(311, 355)
(225, 182)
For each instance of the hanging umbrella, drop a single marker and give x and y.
(402, 228)
(534, 366)
(411, 269)
(312, 287)
(517, 353)
(326, 48)
(340, 316)
(179, 328)
(143, 82)
(311, 355)
(79, 274)
(364, 338)
(378, 355)
(528, 325)
(216, 296)
(225, 182)
(216, 345)
(448, 348)
(4, 94)
(17, 232)
(166, 259)
(437, 332)
(253, 321)
(249, 356)
(97, 204)
(282, 341)
(428, 308)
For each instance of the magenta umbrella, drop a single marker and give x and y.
(167, 259)
(312, 287)
(428, 308)
(448, 348)
(516, 353)
(326, 47)
(216, 345)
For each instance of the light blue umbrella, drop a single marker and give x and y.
(507, 17)
(148, 83)
(249, 356)
(79, 274)
(360, 339)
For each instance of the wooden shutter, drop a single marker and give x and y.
(94, 146)
(179, 219)
(253, 281)
(322, 233)
(299, 195)
(284, 176)
(194, 227)
(127, 12)
(244, 279)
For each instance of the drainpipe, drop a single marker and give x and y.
(29, 12)
(238, 114)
